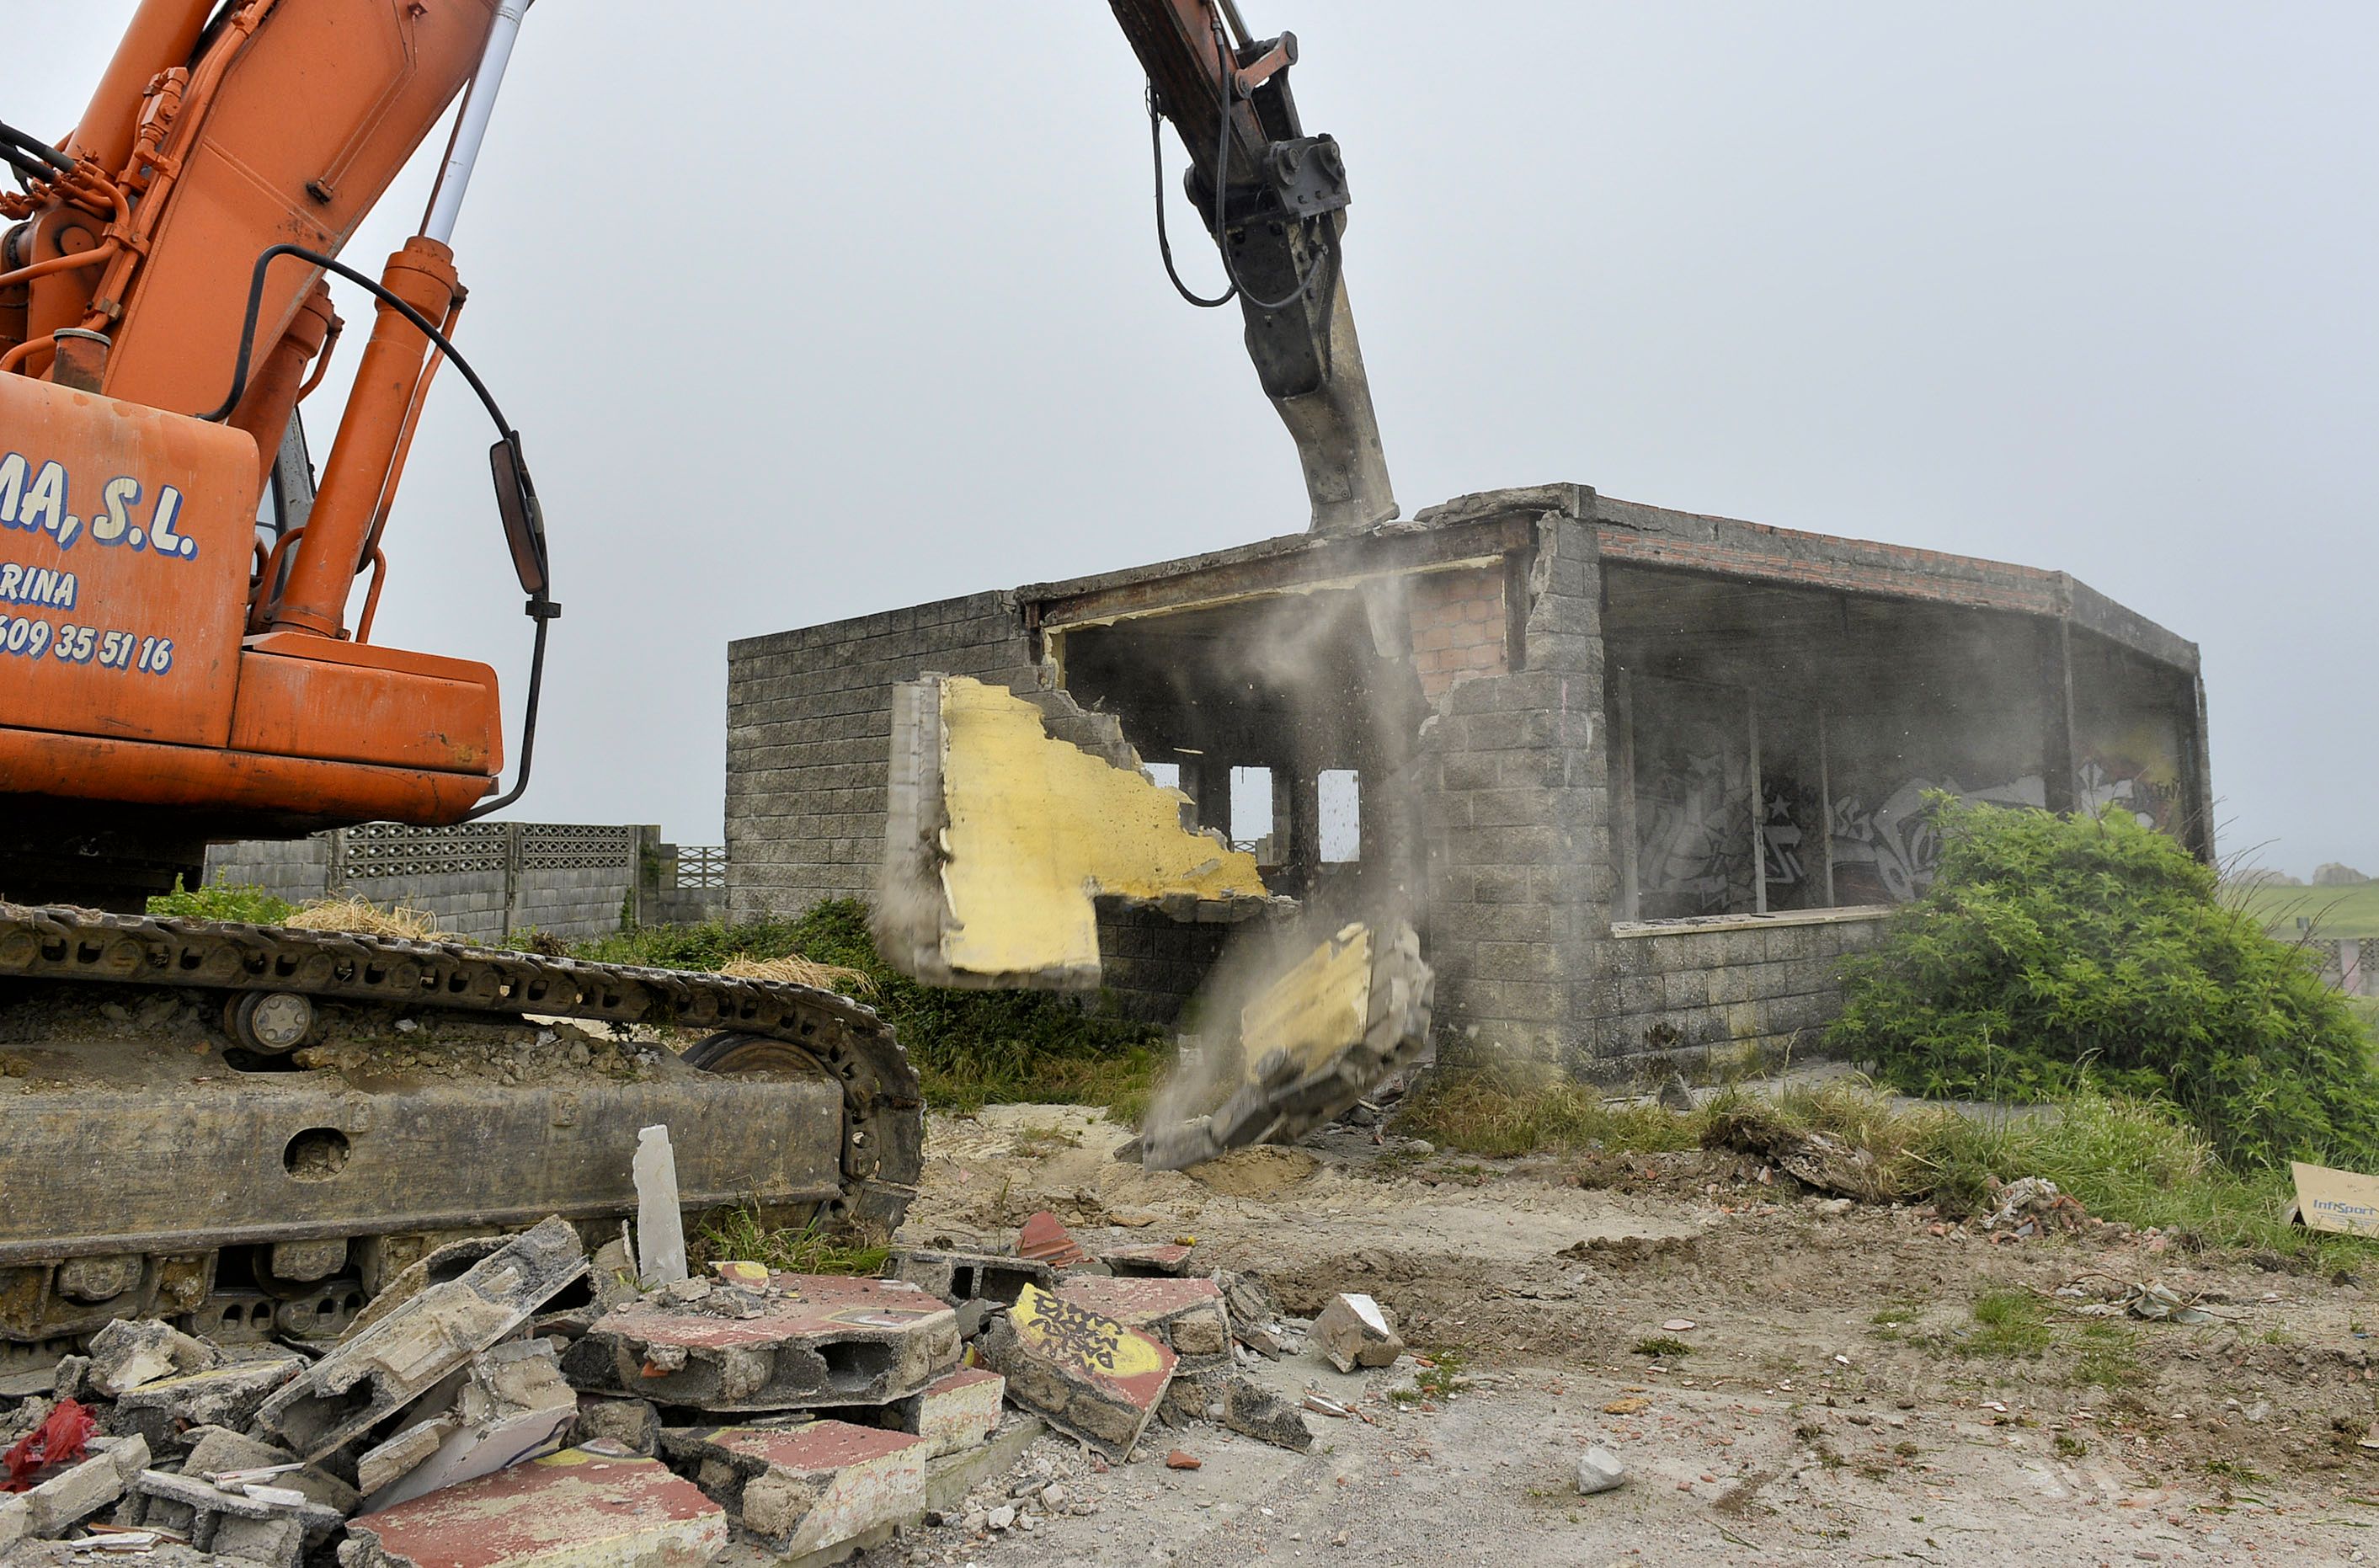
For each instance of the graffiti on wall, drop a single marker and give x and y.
(1886, 851)
(1693, 833)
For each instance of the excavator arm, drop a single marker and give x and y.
(1274, 199)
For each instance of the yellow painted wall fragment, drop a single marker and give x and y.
(1035, 827)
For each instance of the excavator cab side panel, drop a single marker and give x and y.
(125, 551)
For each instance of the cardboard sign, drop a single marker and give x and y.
(2339, 1200)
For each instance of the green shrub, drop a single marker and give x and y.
(2054, 954)
(221, 900)
(970, 1047)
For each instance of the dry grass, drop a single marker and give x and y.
(365, 918)
(794, 970)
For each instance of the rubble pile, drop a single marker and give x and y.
(508, 1400)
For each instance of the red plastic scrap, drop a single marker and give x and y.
(63, 1438)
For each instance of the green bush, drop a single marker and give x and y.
(2055, 954)
(970, 1047)
(221, 900)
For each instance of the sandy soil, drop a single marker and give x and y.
(1833, 1407)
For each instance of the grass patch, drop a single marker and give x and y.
(2335, 912)
(2007, 1323)
(971, 1048)
(1502, 1111)
(2109, 1358)
(220, 899)
(1663, 1345)
(741, 1235)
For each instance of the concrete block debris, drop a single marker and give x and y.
(1148, 1257)
(661, 1226)
(999, 835)
(1186, 1314)
(799, 1342)
(1355, 1331)
(1352, 1012)
(1044, 1239)
(634, 1424)
(1241, 1404)
(366, 1379)
(251, 1521)
(230, 1396)
(973, 1276)
(512, 1402)
(577, 1507)
(805, 1488)
(130, 1352)
(1086, 1373)
(63, 1499)
(955, 1412)
(1598, 1469)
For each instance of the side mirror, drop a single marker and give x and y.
(524, 519)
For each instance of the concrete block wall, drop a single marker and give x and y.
(809, 725)
(1150, 964)
(480, 881)
(1516, 819)
(1703, 995)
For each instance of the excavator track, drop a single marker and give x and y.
(251, 1129)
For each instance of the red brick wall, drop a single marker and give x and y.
(1458, 627)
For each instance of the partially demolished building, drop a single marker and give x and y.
(1640, 777)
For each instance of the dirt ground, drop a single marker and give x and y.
(1838, 1399)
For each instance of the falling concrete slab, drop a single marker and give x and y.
(802, 1489)
(1089, 1375)
(370, 1376)
(1351, 1013)
(798, 1342)
(1000, 835)
(574, 1509)
(1186, 1314)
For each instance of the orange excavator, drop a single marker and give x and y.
(252, 1129)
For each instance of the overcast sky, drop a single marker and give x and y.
(808, 311)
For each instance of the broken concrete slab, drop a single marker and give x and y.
(1170, 1258)
(1355, 1331)
(805, 1488)
(54, 1507)
(959, 1277)
(1353, 1011)
(259, 1525)
(514, 1403)
(1000, 835)
(634, 1424)
(955, 1412)
(217, 1451)
(574, 1509)
(802, 1342)
(130, 1352)
(1090, 1375)
(1243, 1405)
(230, 1396)
(1186, 1314)
(371, 1376)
